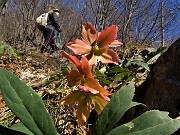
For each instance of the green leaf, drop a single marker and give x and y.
(132, 104)
(130, 77)
(117, 69)
(102, 70)
(141, 64)
(25, 104)
(150, 123)
(97, 74)
(120, 102)
(20, 127)
(120, 76)
(7, 131)
(56, 76)
(12, 52)
(2, 49)
(103, 80)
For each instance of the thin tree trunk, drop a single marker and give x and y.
(162, 22)
(3, 7)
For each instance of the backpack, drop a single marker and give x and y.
(41, 21)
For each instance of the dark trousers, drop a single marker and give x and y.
(48, 40)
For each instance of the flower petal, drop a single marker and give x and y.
(73, 60)
(73, 97)
(109, 56)
(86, 68)
(88, 89)
(83, 110)
(99, 103)
(107, 36)
(115, 43)
(73, 78)
(79, 47)
(94, 84)
(88, 33)
(92, 59)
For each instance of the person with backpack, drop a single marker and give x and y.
(49, 31)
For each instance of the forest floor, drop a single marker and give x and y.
(34, 68)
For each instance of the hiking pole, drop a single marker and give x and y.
(60, 41)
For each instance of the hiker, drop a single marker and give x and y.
(49, 31)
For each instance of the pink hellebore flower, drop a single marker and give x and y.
(83, 77)
(95, 46)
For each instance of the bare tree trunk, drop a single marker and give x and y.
(127, 18)
(3, 8)
(162, 22)
(3, 5)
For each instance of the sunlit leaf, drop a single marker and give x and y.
(23, 101)
(114, 110)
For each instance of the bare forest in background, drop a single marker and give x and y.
(140, 22)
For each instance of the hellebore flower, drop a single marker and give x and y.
(95, 46)
(83, 77)
(90, 94)
(86, 103)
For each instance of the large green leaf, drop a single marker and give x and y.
(7, 131)
(25, 104)
(150, 123)
(120, 102)
(20, 127)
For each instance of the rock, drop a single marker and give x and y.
(161, 90)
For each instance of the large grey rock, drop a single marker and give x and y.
(162, 88)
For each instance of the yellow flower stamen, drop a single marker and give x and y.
(82, 79)
(95, 49)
